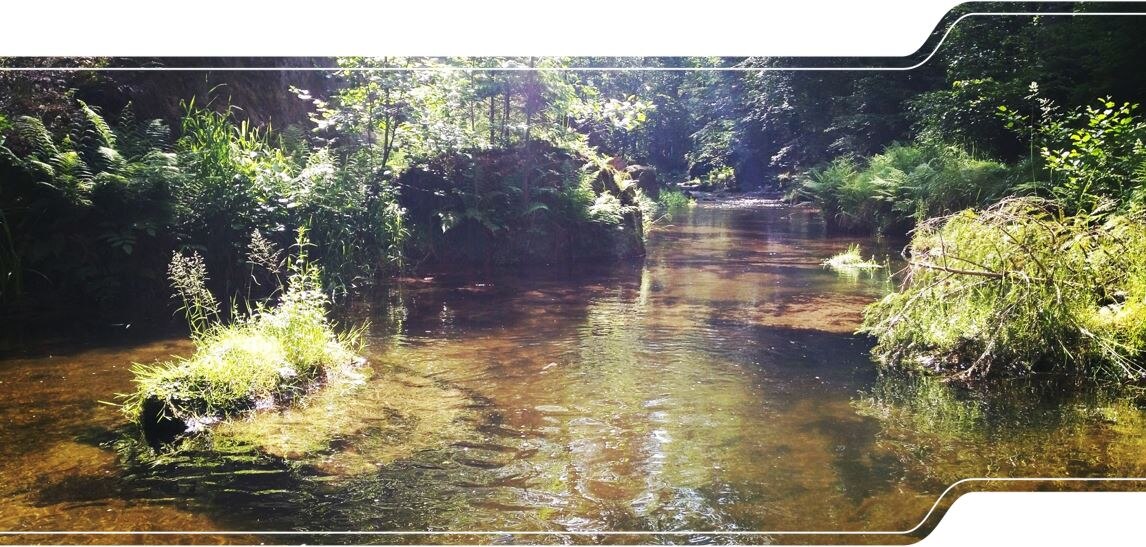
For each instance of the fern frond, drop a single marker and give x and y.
(99, 125)
(34, 133)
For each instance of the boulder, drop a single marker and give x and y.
(646, 177)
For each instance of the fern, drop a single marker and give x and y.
(35, 135)
(106, 137)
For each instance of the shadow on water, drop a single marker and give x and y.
(715, 388)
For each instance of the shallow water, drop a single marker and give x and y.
(715, 388)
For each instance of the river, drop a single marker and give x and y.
(714, 389)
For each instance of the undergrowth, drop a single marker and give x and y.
(1016, 288)
(672, 202)
(903, 185)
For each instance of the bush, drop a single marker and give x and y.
(264, 360)
(903, 185)
(82, 212)
(1017, 288)
(90, 213)
(1091, 154)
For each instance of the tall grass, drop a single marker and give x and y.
(263, 360)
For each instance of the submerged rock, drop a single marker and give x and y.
(160, 427)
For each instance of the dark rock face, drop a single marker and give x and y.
(159, 428)
(646, 177)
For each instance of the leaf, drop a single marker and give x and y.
(533, 207)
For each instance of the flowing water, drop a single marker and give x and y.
(714, 389)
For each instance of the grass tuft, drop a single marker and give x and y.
(851, 261)
(267, 359)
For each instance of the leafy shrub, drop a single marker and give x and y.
(712, 149)
(532, 204)
(606, 209)
(1092, 154)
(83, 211)
(963, 113)
(1016, 288)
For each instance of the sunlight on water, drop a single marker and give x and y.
(716, 388)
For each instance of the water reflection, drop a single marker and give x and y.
(715, 388)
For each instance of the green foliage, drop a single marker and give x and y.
(671, 202)
(625, 114)
(964, 113)
(477, 208)
(902, 185)
(241, 180)
(606, 209)
(710, 158)
(355, 221)
(118, 200)
(83, 210)
(236, 182)
(266, 359)
(721, 177)
(1019, 287)
(794, 120)
(1091, 154)
(406, 118)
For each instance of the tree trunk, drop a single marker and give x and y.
(530, 103)
(505, 119)
(492, 122)
(388, 133)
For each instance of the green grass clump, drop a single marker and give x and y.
(851, 261)
(673, 201)
(266, 359)
(1016, 288)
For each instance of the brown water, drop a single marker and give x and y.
(714, 389)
